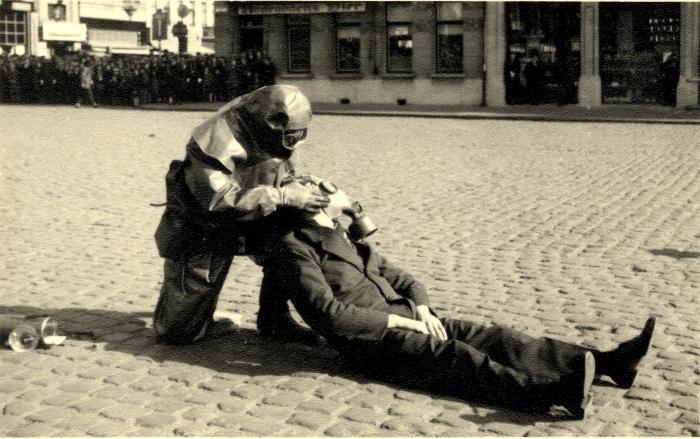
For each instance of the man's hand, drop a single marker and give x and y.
(431, 322)
(396, 321)
(308, 198)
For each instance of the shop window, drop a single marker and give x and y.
(348, 48)
(298, 44)
(399, 38)
(640, 44)
(450, 37)
(12, 28)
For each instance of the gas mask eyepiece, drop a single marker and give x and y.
(292, 138)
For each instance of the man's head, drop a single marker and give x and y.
(279, 116)
(339, 204)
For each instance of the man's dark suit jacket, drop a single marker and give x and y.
(343, 293)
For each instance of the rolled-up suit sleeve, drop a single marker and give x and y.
(299, 271)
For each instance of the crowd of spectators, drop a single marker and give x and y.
(131, 79)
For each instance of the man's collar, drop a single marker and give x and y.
(330, 240)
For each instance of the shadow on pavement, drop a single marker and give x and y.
(241, 352)
(676, 254)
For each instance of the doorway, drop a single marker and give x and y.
(543, 61)
(252, 34)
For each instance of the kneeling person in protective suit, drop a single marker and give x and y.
(219, 199)
(378, 317)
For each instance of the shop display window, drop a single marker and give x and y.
(348, 48)
(450, 38)
(639, 44)
(399, 38)
(298, 44)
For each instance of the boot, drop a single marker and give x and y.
(621, 363)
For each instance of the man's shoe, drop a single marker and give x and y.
(621, 365)
(578, 385)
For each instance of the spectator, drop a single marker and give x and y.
(132, 80)
(267, 72)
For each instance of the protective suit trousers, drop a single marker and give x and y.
(189, 295)
(190, 292)
(494, 364)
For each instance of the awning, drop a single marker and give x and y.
(141, 50)
(63, 31)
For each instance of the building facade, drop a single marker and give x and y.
(54, 27)
(472, 53)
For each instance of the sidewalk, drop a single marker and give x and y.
(550, 113)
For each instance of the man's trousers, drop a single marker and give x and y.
(493, 364)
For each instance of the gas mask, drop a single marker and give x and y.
(279, 116)
(361, 225)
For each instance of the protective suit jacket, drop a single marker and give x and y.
(231, 174)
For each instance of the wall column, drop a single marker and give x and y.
(589, 85)
(495, 53)
(226, 29)
(687, 91)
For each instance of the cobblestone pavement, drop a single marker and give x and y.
(577, 231)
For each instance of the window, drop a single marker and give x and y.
(399, 38)
(57, 12)
(348, 48)
(12, 28)
(298, 44)
(450, 40)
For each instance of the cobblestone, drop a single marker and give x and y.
(578, 231)
(156, 420)
(312, 421)
(32, 430)
(122, 412)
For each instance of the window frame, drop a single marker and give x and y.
(438, 23)
(351, 25)
(15, 18)
(290, 26)
(388, 55)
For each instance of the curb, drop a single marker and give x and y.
(468, 115)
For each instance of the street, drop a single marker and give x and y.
(577, 231)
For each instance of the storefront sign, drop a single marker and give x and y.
(24, 7)
(300, 8)
(63, 31)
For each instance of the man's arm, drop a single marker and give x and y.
(402, 282)
(407, 286)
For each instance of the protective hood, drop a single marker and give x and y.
(271, 112)
(254, 123)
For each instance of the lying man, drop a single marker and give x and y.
(379, 318)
